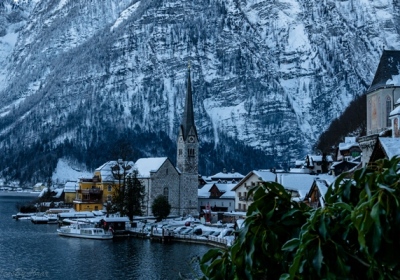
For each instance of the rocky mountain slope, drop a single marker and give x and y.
(80, 77)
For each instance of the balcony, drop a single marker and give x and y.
(96, 191)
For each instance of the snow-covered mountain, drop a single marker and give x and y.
(267, 75)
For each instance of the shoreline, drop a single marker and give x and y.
(26, 194)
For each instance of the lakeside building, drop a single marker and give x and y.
(252, 179)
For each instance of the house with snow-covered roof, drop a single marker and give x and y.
(217, 197)
(93, 193)
(348, 150)
(318, 163)
(250, 181)
(316, 195)
(300, 184)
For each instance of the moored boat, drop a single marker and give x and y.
(44, 219)
(89, 231)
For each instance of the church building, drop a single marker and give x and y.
(381, 99)
(178, 184)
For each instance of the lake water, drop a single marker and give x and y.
(30, 251)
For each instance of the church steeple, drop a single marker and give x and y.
(188, 157)
(187, 125)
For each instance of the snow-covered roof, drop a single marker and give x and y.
(58, 192)
(262, 176)
(391, 146)
(318, 158)
(106, 169)
(265, 176)
(348, 145)
(301, 182)
(146, 165)
(71, 187)
(204, 192)
(225, 176)
(322, 186)
(387, 72)
(395, 112)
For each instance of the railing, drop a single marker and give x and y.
(91, 191)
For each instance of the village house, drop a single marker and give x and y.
(317, 164)
(251, 180)
(348, 150)
(96, 192)
(299, 184)
(315, 197)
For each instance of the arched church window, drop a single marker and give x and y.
(166, 193)
(388, 110)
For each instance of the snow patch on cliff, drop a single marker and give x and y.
(124, 15)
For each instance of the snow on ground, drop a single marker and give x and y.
(125, 14)
(65, 171)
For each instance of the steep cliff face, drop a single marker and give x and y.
(270, 75)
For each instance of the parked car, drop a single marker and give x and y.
(179, 229)
(186, 231)
(198, 231)
(207, 233)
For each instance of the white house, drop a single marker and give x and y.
(254, 178)
(218, 197)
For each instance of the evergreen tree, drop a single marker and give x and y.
(134, 195)
(160, 208)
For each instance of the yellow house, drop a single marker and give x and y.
(94, 193)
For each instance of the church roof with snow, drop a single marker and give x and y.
(387, 72)
(146, 165)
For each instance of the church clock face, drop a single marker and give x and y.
(180, 139)
(191, 139)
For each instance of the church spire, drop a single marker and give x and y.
(188, 115)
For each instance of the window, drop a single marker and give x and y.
(240, 206)
(166, 193)
(109, 188)
(388, 110)
(166, 171)
(180, 152)
(191, 152)
(244, 207)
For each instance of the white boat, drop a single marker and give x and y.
(84, 231)
(44, 219)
